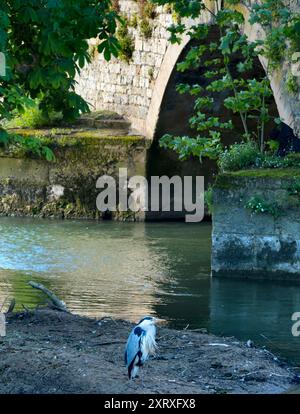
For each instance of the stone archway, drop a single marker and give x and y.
(169, 62)
(288, 105)
(175, 110)
(136, 89)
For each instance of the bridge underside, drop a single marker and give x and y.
(175, 111)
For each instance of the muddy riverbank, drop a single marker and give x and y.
(54, 352)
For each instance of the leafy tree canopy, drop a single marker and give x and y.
(45, 44)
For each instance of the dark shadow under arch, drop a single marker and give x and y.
(173, 119)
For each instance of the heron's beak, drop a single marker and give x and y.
(158, 321)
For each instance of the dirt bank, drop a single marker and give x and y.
(54, 352)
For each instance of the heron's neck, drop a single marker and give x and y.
(150, 342)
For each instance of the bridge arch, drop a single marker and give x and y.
(174, 110)
(288, 106)
(169, 62)
(136, 89)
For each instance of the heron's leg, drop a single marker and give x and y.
(142, 378)
(139, 377)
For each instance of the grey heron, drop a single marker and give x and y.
(140, 345)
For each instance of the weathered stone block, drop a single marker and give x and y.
(261, 245)
(66, 188)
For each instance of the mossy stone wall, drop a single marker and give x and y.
(257, 245)
(66, 188)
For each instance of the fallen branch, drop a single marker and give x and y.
(27, 310)
(11, 306)
(108, 343)
(59, 304)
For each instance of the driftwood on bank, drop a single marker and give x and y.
(11, 306)
(58, 304)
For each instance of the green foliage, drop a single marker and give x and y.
(200, 147)
(247, 155)
(291, 84)
(281, 29)
(134, 21)
(126, 41)
(29, 146)
(146, 28)
(45, 42)
(294, 188)
(34, 147)
(259, 206)
(274, 47)
(32, 117)
(4, 138)
(246, 97)
(208, 199)
(272, 145)
(272, 161)
(185, 8)
(239, 156)
(147, 12)
(147, 9)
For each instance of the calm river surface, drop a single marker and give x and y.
(128, 270)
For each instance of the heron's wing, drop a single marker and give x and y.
(133, 345)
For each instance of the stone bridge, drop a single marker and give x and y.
(143, 89)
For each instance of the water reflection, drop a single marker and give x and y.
(116, 269)
(127, 270)
(257, 310)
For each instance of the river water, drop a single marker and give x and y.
(128, 270)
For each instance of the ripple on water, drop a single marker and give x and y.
(127, 270)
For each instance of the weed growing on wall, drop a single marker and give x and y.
(259, 206)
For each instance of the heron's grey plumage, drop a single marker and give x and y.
(140, 345)
(133, 345)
